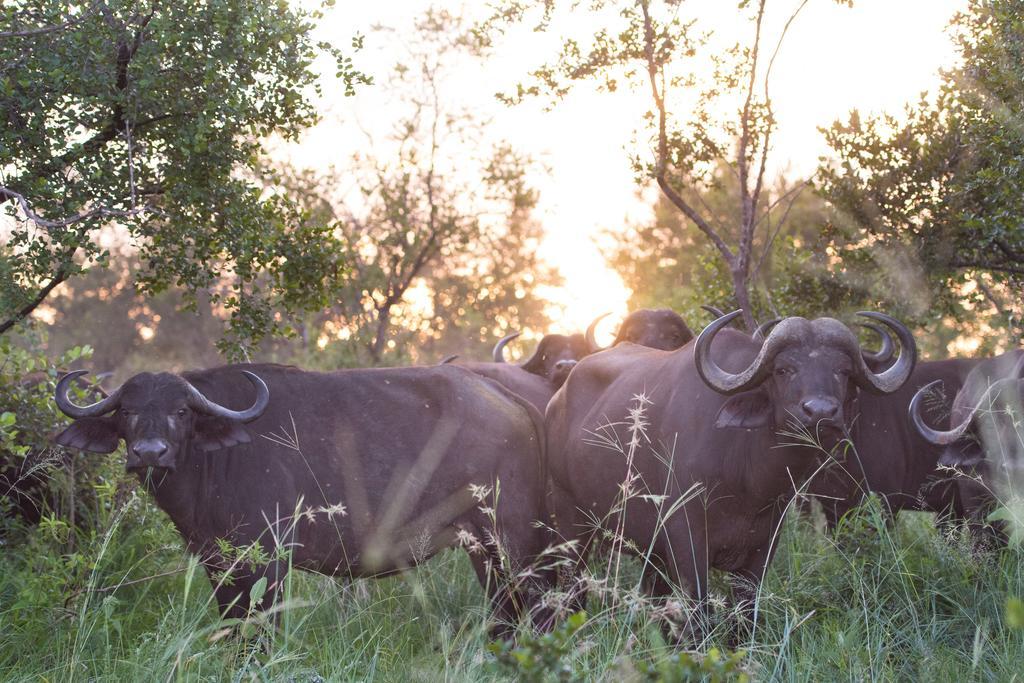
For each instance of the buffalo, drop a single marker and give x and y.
(554, 357)
(537, 379)
(985, 441)
(660, 328)
(683, 458)
(890, 458)
(358, 473)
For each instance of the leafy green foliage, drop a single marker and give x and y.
(537, 658)
(942, 191)
(149, 118)
(686, 666)
(38, 479)
(440, 233)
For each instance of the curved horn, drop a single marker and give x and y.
(899, 372)
(499, 349)
(884, 354)
(761, 333)
(101, 407)
(726, 382)
(448, 359)
(934, 436)
(202, 404)
(591, 341)
(713, 310)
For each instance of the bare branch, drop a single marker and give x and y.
(100, 212)
(60, 276)
(778, 226)
(662, 160)
(991, 296)
(746, 198)
(998, 267)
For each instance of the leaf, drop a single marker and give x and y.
(257, 591)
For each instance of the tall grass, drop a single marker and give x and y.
(868, 603)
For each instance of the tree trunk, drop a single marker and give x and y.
(381, 335)
(739, 286)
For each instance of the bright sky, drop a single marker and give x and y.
(875, 57)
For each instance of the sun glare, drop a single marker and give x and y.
(875, 57)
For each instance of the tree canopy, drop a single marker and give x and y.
(941, 194)
(148, 119)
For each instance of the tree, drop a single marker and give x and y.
(440, 233)
(130, 332)
(147, 117)
(650, 47)
(945, 187)
(666, 264)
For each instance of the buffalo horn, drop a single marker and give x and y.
(591, 340)
(713, 310)
(101, 407)
(726, 382)
(934, 436)
(201, 404)
(884, 354)
(761, 333)
(448, 359)
(943, 438)
(499, 349)
(899, 372)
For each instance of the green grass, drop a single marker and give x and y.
(868, 604)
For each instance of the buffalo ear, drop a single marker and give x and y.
(94, 434)
(749, 410)
(214, 433)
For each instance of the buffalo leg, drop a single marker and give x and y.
(687, 568)
(504, 609)
(575, 538)
(232, 588)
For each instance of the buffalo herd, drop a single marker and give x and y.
(686, 451)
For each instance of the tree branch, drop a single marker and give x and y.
(7, 194)
(662, 160)
(1000, 268)
(42, 30)
(60, 276)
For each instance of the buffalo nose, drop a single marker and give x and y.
(820, 408)
(149, 450)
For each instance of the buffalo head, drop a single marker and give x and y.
(985, 419)
(159, 416)
(806, 371)
(555, 357)
(654, 328)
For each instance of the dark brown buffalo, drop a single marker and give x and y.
(554, 357)
(660, 328)
(889, 457)
(985, 440)
(697, 447)
(537, 379)
(356, 472)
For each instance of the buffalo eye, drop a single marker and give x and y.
(127, 413)
(182, 412)
(783, 372)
